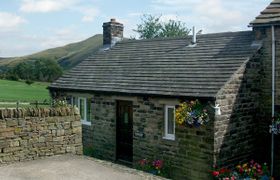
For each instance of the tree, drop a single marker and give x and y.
(152, 27)
(35, 70)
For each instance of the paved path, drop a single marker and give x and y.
(68, 167)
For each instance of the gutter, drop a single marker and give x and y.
(212, 98)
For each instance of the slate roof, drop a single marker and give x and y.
(270, 15)
(163, 66)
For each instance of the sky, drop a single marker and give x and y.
(29, 26)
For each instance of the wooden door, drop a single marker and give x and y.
(124, 131)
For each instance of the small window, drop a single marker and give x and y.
(84, 106)
(169, 123)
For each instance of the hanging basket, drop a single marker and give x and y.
(192, 114)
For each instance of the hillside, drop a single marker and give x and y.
(67, 56)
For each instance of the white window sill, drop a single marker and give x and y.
(170, 137)
(86, 123)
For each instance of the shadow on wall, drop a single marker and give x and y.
(241, 132)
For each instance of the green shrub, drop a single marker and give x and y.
(29, 82)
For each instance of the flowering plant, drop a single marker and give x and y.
(251, 170)
(275, 127)
(155, 167)
(223, 173)
(191, 113)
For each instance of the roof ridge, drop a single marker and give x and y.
(180, 38)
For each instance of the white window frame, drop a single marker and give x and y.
(166, 134)
(83, 121)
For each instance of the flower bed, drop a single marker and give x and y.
(247, 171)
(156, 167)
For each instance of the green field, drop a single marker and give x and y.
(12, 91)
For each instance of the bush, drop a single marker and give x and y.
(12, 77)
(29, 82)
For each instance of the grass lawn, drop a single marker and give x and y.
(12, 91)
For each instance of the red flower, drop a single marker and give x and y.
(215, 173)
(143, 162)
(158, 164)
(223, 170)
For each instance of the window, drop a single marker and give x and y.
(84, 106)
(169, 123)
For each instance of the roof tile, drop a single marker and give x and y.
(163, 66)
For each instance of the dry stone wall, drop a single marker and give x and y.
(27, 134)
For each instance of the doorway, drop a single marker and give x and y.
(124, 136)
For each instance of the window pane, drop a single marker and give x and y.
(89, 115)
(82, 109)
(170, 125)
(74, 101)
(125, 118)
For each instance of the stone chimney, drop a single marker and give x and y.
(112, 32)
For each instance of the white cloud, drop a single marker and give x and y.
(217, 17)
(32, 43)
(44, 6)
(212, 15)
(60, 37)
(89, 14)
(10, 21)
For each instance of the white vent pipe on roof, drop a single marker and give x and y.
(194, 35)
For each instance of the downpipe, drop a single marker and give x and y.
(273, 98)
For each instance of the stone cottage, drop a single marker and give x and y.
(127, 94)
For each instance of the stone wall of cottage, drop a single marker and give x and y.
(264, 138)
(27, 134)
(236, 128)
(190, 156)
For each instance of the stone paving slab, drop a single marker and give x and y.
(70, 167)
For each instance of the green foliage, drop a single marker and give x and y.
(12, 77)
(174, 29)
(152, 27)
(60, 103)
(39, 70)
(20, 91)
(29, 82)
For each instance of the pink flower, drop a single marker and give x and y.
(158, 164)
(215, 173)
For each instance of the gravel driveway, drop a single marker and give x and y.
(68, 167)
